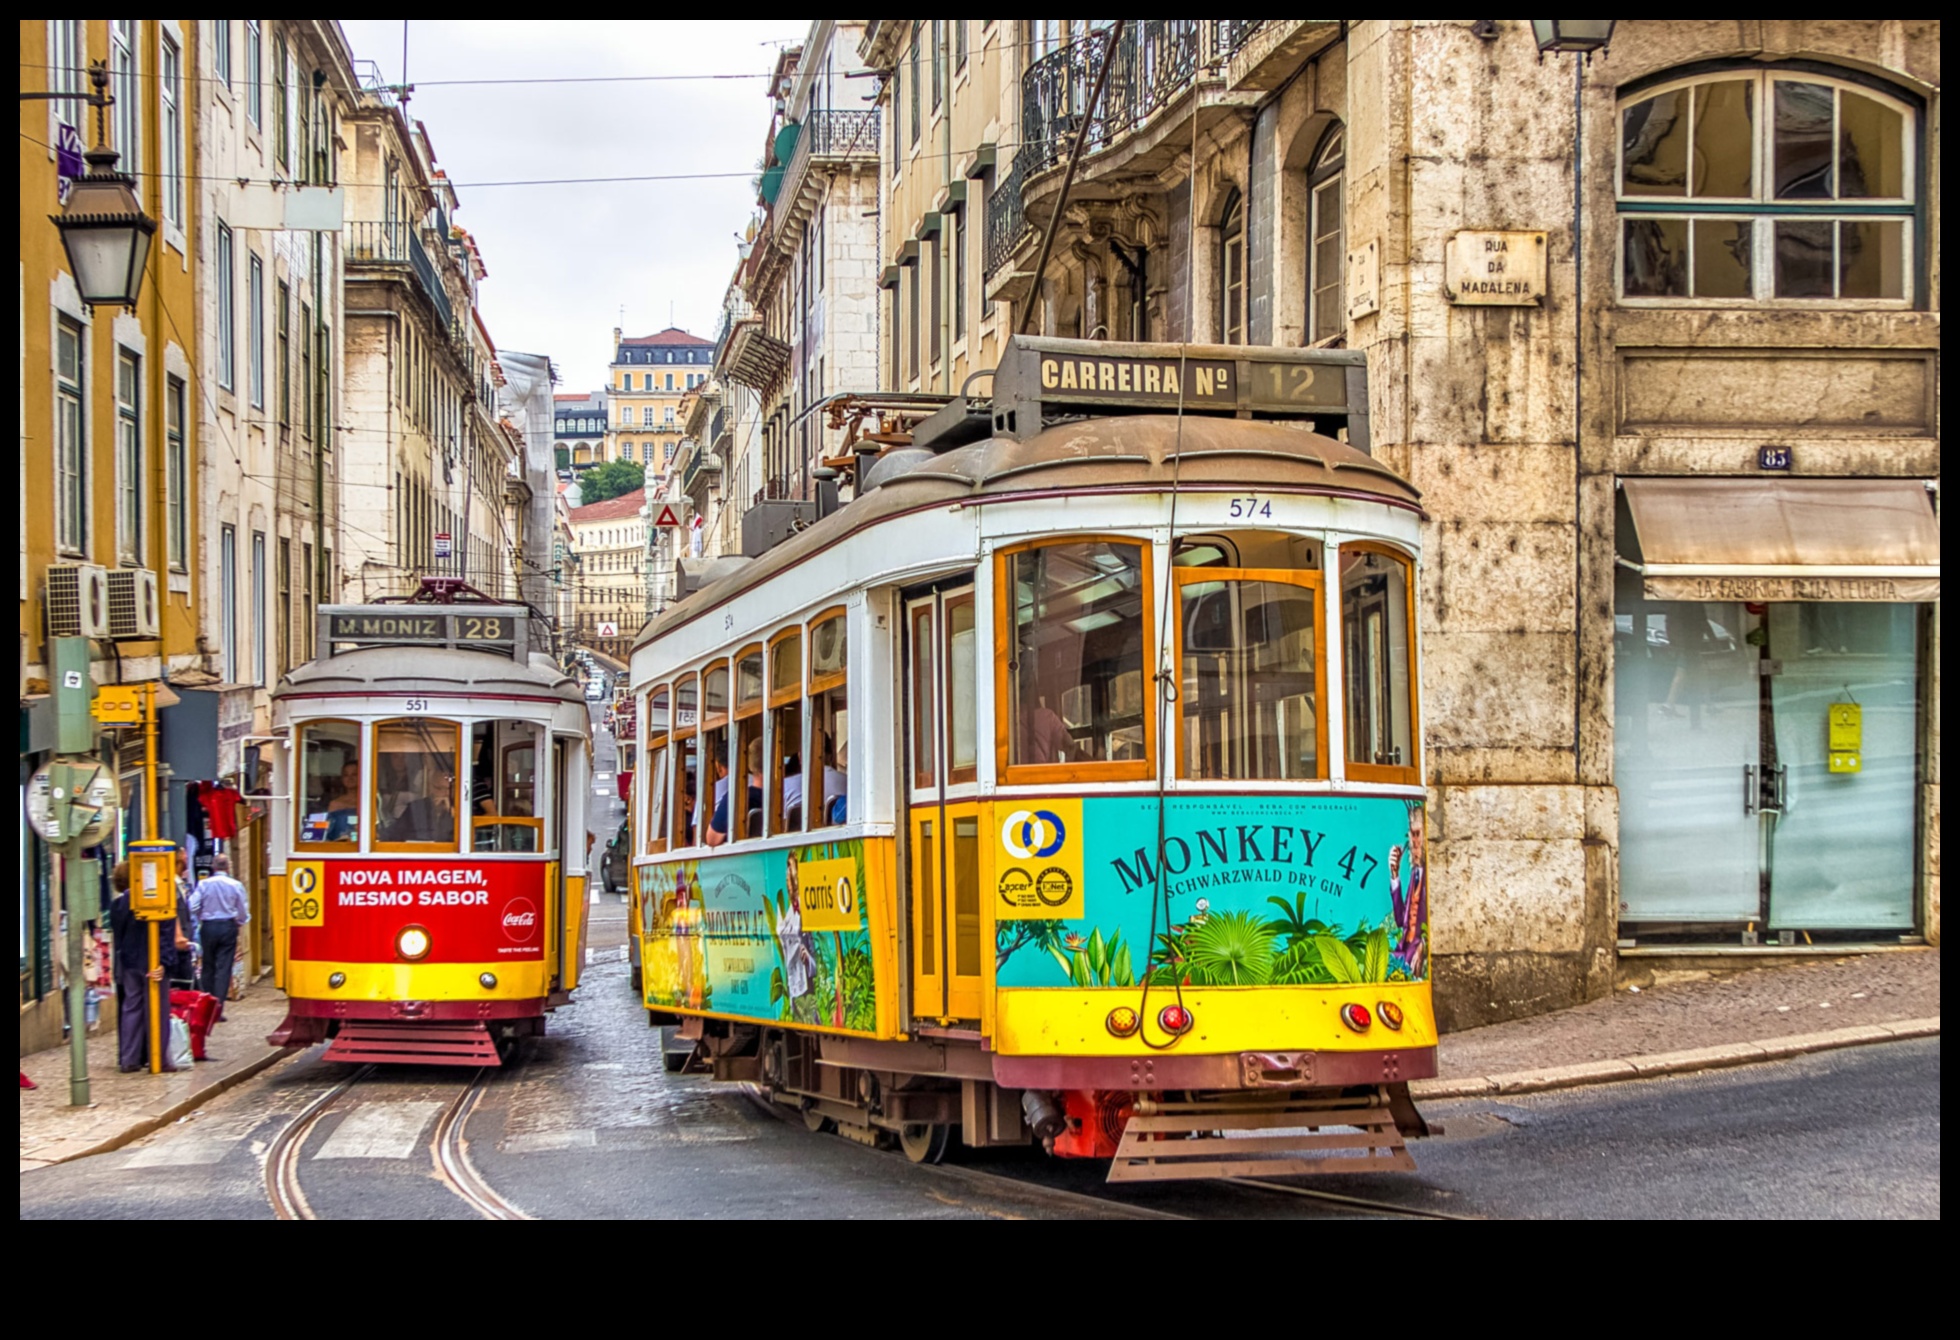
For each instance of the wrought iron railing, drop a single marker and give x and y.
(1006, 223)
(838, 135)
(1155, 62)
(393, 242)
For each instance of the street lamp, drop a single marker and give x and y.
(103, 227)
(1579, 37)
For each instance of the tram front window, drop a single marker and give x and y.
(1249, 672)
(503, 787)
(1375, 639)
(1075, 667)
(415, 799)
(330, 784)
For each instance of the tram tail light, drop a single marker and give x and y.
(412, 943)
(1390, 1014)
(1355, 1016)
(1175, 1020)
(1121, 1021)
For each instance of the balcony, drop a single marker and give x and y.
(827, 139)
(372, 244)
(1156, 69)
(751, 356)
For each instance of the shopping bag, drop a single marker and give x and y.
(180, 1044)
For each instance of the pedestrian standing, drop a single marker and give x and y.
(222, 910)
(134, 973)
(186, 918)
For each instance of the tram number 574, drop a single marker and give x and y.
(1246, 509)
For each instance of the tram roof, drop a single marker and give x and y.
(431, 670)
(1145, 453)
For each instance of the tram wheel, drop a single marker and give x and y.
(814, 1121)
(925, 1141)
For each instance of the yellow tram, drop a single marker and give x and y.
(429, 840)
(1065, 785)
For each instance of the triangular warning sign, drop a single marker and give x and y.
(667, 518)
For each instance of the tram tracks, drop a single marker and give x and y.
(448, 1148)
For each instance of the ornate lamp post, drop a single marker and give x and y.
(1579, 37)
(103, 227)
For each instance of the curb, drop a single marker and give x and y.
(1673, 1063)
(183, 1108)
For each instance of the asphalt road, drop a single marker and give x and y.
(589, 1126)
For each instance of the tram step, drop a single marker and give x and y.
(414, 1044)
(1211, 1137)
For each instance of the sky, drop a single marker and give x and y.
(564, 259)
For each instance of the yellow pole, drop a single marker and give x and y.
(149, 833)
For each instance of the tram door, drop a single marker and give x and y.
(941, 684)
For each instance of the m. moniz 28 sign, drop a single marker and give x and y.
(1074, 375)
(400, 625)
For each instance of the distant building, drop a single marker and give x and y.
(579, 429)
(644, 385)
(610, 540)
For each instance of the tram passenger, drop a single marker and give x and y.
(836, 784)
(344, 809)
(1045, 737)
(719, 826)
(430, 817)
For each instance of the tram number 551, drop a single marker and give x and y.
(415, 704)
(1246, 509)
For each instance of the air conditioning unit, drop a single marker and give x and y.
(78, 600)
(133, 604)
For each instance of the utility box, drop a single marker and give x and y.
(768, 524)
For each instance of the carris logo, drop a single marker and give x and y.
(520, 920)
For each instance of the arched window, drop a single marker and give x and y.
(1231, 271)
(1760, 185)
(1326, 239)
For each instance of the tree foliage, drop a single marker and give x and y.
(609, 480)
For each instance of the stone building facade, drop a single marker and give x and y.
(1657, 336)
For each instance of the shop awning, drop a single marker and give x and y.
(1785, 539)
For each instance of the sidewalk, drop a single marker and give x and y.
(128, 1107)
(1698, 1025)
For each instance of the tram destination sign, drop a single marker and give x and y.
(1071, 376)
(367, 625)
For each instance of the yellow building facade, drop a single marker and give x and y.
(644, 384)
(109, 442)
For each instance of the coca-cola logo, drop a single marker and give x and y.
(520, 920)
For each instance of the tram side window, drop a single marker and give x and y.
(1249, 677)
(712, 822)
(659, 723)
(746, 820)
(504, 787)
(687, 760)
(784, 788)
(415, 781)
(1075, 665)
(330, 784)
(830, 723)
(1375, 650)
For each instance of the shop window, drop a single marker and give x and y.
(830, 722)
(1767, 185)
(1326, 246)
(330, 791)
(1377, 653)
(504, 814)
(1249, 675)
(783, 788)
(415, 781)
(1074, 624)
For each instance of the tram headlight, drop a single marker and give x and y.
(488, 979)
(336, 980)
(1390, 1014)
(1355, 1016)
(412, 943)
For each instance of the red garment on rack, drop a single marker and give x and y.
(221, 810)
